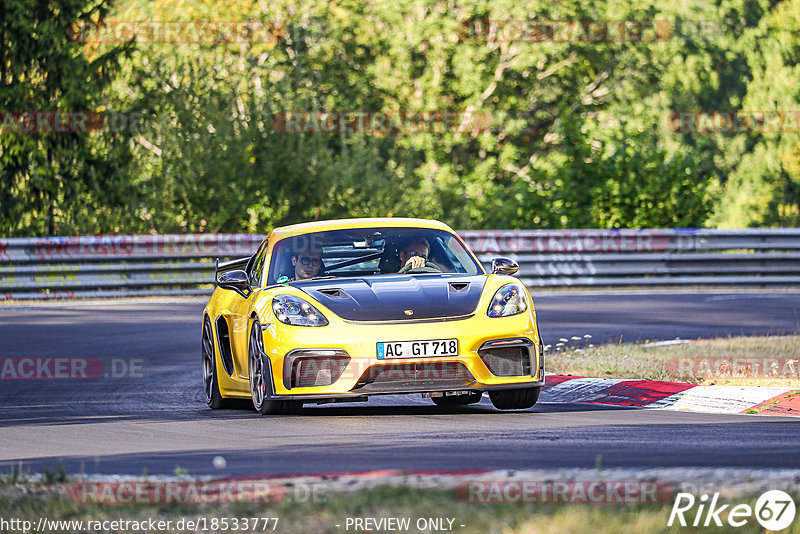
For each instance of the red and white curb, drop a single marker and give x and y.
(671, 395)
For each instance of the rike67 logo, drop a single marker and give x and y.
(774, 510)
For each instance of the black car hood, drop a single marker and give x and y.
(390, 297)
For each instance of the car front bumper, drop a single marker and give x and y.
(365, 374)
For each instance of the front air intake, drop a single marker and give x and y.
(510, 357)
(305, 368)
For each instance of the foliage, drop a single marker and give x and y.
(54, 183)
(578, 135)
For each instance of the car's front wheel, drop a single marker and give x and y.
(261, 378)
(515, 399)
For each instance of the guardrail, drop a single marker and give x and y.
(754, 257)
(131, 265)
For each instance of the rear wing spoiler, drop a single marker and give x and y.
(222, 266)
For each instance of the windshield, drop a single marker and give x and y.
(367, 252)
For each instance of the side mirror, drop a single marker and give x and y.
(504, 266)
(237, 281)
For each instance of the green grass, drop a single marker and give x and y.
(578, 357)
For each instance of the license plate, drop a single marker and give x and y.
(417, 349)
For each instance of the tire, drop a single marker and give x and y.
(515, 399)
(214, 398)
(458, 400)
(260, 373)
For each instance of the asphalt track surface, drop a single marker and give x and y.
(157, 421)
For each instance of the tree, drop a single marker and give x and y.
(54, 183)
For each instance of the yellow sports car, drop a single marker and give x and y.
(336, 311)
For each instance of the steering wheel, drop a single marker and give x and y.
(429, 267)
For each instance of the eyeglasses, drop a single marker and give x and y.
(308, 261)
(423, 256)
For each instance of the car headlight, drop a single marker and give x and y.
(296, 311)
(508, 300)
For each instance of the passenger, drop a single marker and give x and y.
(414, 254)
(307, 263)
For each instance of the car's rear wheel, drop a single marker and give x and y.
(261, 378)
(458, 400)
(214, 398)
(515, 399)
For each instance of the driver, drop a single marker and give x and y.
(414, 254)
